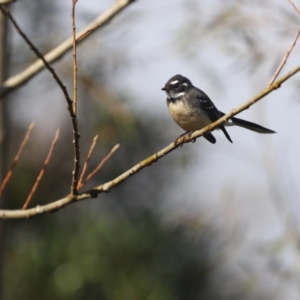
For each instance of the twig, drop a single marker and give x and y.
(285, 58)
(76, 134)
(37, 53)
(16, 159)
(86, 162)
(55, 205)
(295, 7)
(76, 165)
(42, 172)
(74, 57)
(103, 161)
(17, 80)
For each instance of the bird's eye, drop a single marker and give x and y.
(176, 85)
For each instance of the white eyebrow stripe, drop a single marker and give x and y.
(174, 82)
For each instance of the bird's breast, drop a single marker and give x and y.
(186, 116)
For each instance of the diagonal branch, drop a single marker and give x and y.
(72, 113)
(17, 80)
(101, 164)
(294, 6)
(37, 53)
(80, 185)
(285, 58)
(55, 205)
(188, 138)
(16, 159)
(43, 170)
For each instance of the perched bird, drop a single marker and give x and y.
(192, 109)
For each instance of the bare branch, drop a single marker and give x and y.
(101, 164)
(285, 58)
(80, 185)
(74, 57)
(37, 53)
(76, 134)
(42, 172)
(295, 7)
(17, 80)
(16, 159)
(54, 206)
(76, 165)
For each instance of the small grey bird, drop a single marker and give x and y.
(192, 109)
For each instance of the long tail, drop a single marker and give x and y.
(248, 125)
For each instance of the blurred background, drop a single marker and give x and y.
(205, 222)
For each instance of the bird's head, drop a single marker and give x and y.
(177, 86)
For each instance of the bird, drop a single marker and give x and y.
(193, 110)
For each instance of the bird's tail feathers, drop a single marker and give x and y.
(226, 133)
(248, 125)
(251, 126)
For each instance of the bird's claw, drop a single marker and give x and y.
(188, 133)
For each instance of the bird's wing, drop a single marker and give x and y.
(212, 112)
(207, 105)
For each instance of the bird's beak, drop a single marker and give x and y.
(164, 89)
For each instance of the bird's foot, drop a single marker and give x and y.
(188, 133)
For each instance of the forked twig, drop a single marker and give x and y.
(103, 161)
(284, 59)
(86, 162)
(76, 134)
(16, 159)
(42, 172)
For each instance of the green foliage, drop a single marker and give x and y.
(109, 257)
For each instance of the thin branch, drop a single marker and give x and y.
(80, 185)
(16, 159)
(295, 7)
(76, 165)
(74, 57)
(288, 218)
(101, 164)
(284, 58)
(76, 134)
(56, 205)
(21, 78)
(42, 172)
(37, 53)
